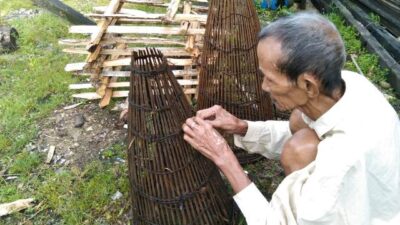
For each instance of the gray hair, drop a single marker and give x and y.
(309, 43)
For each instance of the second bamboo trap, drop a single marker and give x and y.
(229, 74)
(171, 183)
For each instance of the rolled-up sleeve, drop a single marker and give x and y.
(265, 138)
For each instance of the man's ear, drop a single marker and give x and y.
(309, 84)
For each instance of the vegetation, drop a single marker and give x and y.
(33, 84)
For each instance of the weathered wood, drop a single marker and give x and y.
(123, 84)
(172, 9)
(125, 62)
(127, 40)
(18, 205)
(104, 89)
(393, 4)
(136, 30)
(386, 39)
(322, 5)
(178, 73)
(94, 95)
(156, 16)
(133, 12)
(167, 51)
(199, 7)
(63, 10)
(8, 39)
(118, 94)
(373, 45)
(389, 17)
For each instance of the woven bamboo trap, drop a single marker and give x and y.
(229, 74)
(171, 183)
(175, 27)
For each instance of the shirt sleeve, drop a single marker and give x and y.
(255, 208)
(265, 138)
(328, 191)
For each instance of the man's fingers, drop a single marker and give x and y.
(200, 121)
(209, 113)
(188, 130)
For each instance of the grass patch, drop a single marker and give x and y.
(34, 81)
(8, 6)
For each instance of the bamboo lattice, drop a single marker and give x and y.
(171, 183)
(229, 74)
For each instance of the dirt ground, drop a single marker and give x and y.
(80, 134)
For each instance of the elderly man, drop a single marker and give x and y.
(340, 149)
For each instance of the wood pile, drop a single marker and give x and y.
(177, 32)
(171, 183)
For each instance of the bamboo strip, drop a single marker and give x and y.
(167, 51)
(84, 29)
(145, 16)
(124, 84)
(71, 67)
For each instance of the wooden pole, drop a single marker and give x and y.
(63, 10)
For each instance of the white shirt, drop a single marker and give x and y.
(355, 178)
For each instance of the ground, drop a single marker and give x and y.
(86, 181)
(77, 144)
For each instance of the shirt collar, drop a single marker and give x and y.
(334, 115)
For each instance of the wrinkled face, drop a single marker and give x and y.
(285, 94)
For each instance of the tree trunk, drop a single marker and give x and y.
(8, 39)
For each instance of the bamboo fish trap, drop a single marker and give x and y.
(229, 74)
(171, 183)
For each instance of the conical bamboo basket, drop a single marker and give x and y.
(229, 74)
(171, 183)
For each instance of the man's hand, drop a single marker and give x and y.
(201, 135)
(219, 118)
(205, 139)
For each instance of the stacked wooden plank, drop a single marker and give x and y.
(177, 31)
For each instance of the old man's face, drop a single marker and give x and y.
(284, 93)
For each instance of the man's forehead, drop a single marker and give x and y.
(269, 52)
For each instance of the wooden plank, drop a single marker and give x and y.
(126, 40)
(94, 95)
(73, 42)
(148, 16)
(82, 29)
(388, 16)
(177, 73)
(74, 67)
(124, 84)
(172, 9)
(102, 10)
(103, 25)
(167, 52)
(386, 39)
(119, 94)
(162, 4)
(125, 62)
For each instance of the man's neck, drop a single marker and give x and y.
(315, 108)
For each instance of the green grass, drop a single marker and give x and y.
(33, 83)
(8, 6)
